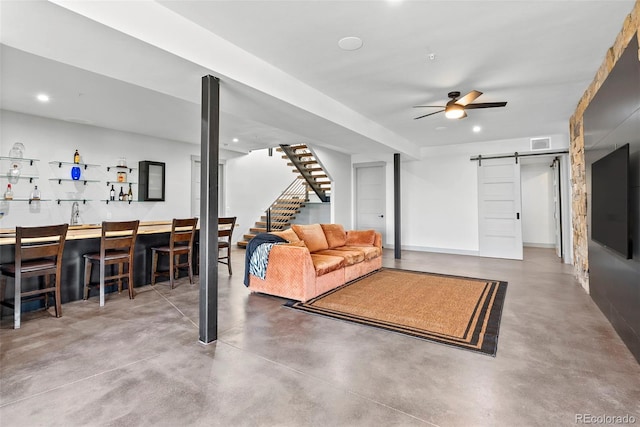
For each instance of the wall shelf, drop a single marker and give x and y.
(119, 201)
(17, 159)
(29, 177)
(121, 182)
(25, 200)
(84, 201)
(122, 168)
(60, 180)
(83, 165)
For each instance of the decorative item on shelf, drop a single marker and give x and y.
(112, 193)
(75, 173)
(130, 193)
(122, 162)
(17, 150)
(14, 173)
(8, 195)
(121, 195)
(76, 157)
(122, 176)
(35, 194)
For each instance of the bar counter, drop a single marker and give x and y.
(83, 239)
(91, 231)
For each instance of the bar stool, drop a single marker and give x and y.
(117, 245)
(225, 231)
(180, 243)
(38, 252)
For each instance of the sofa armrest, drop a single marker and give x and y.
(290, 273)
(378, 240)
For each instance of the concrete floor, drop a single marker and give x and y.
(139, 362)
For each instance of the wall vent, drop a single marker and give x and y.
(540, 144)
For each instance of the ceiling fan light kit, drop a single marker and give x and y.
(455, 109)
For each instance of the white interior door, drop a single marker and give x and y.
(499, 203)
(370, 198)
(557, 212)
(195, 186)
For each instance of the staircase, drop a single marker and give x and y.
(282, 211)
(311, 180)
(308, 167)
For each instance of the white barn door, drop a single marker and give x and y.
(500, 207)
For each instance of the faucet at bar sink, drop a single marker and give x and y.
(75, 214)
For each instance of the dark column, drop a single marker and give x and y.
(209, 209)
(397, 218)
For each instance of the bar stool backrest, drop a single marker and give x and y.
(40, 242)
(119, 235)
(183, 232)
(225, 228)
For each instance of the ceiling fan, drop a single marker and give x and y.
(455, 109)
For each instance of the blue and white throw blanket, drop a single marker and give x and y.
(258, 265)
(260, 260)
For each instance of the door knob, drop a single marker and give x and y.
(381, 216)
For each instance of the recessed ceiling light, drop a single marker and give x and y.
(235, 139)
(477, 129)
(350, 43)
(42, 97)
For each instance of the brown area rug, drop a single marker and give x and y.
(457, 311)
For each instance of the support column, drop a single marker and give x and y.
(397, 214)
(210, 144)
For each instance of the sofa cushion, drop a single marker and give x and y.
(335, 235)
(361, 237)
(350, 256)
(370, 252)
(289, 235)
(298, 243)
(326, 264)
(312, 235)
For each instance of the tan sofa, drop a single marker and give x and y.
(316, 259)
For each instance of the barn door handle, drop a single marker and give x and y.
(518, 215)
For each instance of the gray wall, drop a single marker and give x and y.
(611, 120)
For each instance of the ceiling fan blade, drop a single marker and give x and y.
(485, 105)
(429, 106)
(468, 98)
(430, 114)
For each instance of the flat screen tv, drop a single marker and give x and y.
(610, 201)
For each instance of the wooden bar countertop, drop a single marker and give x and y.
(91, 231)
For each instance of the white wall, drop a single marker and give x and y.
(338, 167)
(48, 140)
(440, 194)
(538, 224)
(253, 182)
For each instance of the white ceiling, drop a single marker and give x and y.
(136, 66)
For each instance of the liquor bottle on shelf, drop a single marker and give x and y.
(112, 193)
(121, 195)
(130, 193)
(76, 157)
(8, 195)
(35, 194)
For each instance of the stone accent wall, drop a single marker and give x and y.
(630, 28)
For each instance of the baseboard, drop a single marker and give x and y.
(539, 245)
(435, 250)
